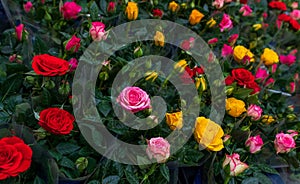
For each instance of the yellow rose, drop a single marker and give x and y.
(151, 76)
(159, 39)
(269, 57)
(174, 120)
(132, 11)
(257, 26)
(181, 65)
(209, 134)
(235, 107)
(239, 52)
(200, 81)
(211, 22)
(173, 6)
(267, 119)
(195, 17)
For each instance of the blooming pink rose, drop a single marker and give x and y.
(246, 10)
(295, 14)
(294, 5)
(111, 7)
(73, 44)
(27, 7)
(236, 166)
(212, 41)
(218, 4)
(158, 148)
(284, 143)
(274, 68)
(227, 50)
(97, 31)
(261, 74)
(287, 60)
(74, 63)
(70, 10)
(19, 31)
(292, 87)
(269, 82)
(254, 111)
(134, 99)
(254, 143)
(232, 39)
(225, 23)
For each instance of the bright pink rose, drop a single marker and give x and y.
(111, 7)
(158, 148)
(265, 15)
(294, 52)
(284, 143)
(295, 14)
(97, 31)
(232, 39)
(73, 44)
(70, 10)
(294, 5)
(287, 60)
(134, 99)
(218, 4)
(293, 133)
(254, 111)
(296, 77)
(292, 87)
(274, 68)
(261, 74)
(19, 31)
(212, 41)
(225, 23)
(236, 166)
(254, 143)
(246, 10)
(27, 7)
(269, 82)
(74, 63)
(227, 50)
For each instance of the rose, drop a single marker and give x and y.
(294, 5)
(218, 4)
(111, 7)
(134, 99)
(235, 107)
(295, 14)
(284, 143)
(225, 23)
(277, 5)
(236, 166)
(254, 143)
(97, 31)
(195, 17)
(15, 157)
(19, 31)
(56, 121)
(269, 57)
(246, 10)
(287, 60)
(211, 22)
(173, 6)
(27, 7)
(74, 63)
(232, 39)
(292, 87)
(242, 76)
(295, 25)
(240, 52)
(261, 74)
(208, 134)
(47, 65)
(132, 11)
(188, 44)
(174, 120)
(70, 10)
(212, 41)
(254, 111)
(159, 39)
(229, 80)
(158, 148)
(226, 50)
(269, 82)
(73, 44)
(254, 86)
(157, 13)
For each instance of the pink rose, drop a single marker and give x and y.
(269, 82)
(254, 143)
(97, 31)
(188, 44)
(274, 68)
(73, 44)
(27, 7)
(292, 87)
(293, 133)
(218, 4)
(236, 166)
(158, 148)
(261, 74)
(225, 23)
(295, 14)
(254, 111)
(265, 15)
(212, 41)
(70, 10)
(284, 143)
(246, 10)
(294, 52)
(19, 31)
(74, 63)
(134, 99)
(294, 5)
(111, 7)
(232, 39)
(227, 50)
(287, 60)
(43, 1)
(296, 77)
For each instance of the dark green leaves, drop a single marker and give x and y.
(66, 148)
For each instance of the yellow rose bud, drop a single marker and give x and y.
(159, 39)
(200, 81)
(195, 17)
(151, 76)
(267, 119)
(209, 134)
(235, 107)
(257, 26)
(269, 57)
(173, 6)
(132, 11)
(239, 53)
(211, 22)
(174, 120)
(180, 65)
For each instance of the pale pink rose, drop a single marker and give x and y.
(287, 60)
(73, 44)
(212, 41)
(226, 137)
(74, 63)
(254, 143)
(294, 5)
(246, 10)
(70, 10)
(225, 23)
(97, 31)
(19, 31)
(254, 111)
(218, 4)
(292, 87)
(284, 143)
(227, 50)
(27, 7)
(269, 82)
(188, 44)
(295, 14)
(134, 99)
(274, 68)
(293, 133)
(296, 77)
(236, 166)
(261, 74)
(158, 148)
(232, 39)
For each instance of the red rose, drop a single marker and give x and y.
(284, 17)
(295, 24)
(15, 157)
(197, 71)
(157, 13)
(70, 10)
(187, 76)
(73, 44)
(242, 76)
(243, 1)
(278, 5)
(253, 85)
(229, 80)
(56, 121)
(47, 65)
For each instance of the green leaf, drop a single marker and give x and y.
(104, 106)
(94, 182)
(7, 50)
(130, 176)
(111, 180)
(65, 162)
(94, 10)
(251, 180)
(46, 97)
(66, 148)
(4, 117)
(242, 93)
(267, 169)
(142, 162)
(38, 180)
(263, 179)
(164, 170)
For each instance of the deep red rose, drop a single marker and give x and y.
(198, 70)
(111, 7)
(47, 65)
(278, 5)
(15, 157)
(242, 76)
(243, 1)
(157, 13)
(229, 80)
(295, 25)
(284, 17)
(187, 76)
(253, 85)
(56, 121)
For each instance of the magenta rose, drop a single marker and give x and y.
(227, 50)
(226, 23)
(246, 10)
(254, 143)
(158, 148)
(261, 74)
(27, 7)
(287, 60)
(73, 44)
(74, 63)
(19, 31)
(284, 143)
(134, 99)
(254, 111)
(97, 31)
(70, 10)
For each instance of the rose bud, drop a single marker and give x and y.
(174, 120)
(97, 31)
(254, 143)
(73, 44)
(236, 166)
(111, 7)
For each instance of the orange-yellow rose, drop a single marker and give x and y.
(195, 17)
(159, 39)
(173, 6)
(235, 107)
(239, 53)
(132, 11)
(269, 57)
(174, 120)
